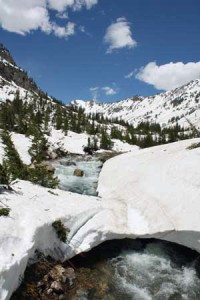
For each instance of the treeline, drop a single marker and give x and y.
(13, 168)
(145, 134)
(36, 118)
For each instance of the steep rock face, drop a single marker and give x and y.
(10, 72)
(5, 54)
(180, 105)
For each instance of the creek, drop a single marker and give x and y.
(119, 269)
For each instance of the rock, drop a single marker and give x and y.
(78, 173)
(48, 166)
(49, 291)
(32, 166)
(57, 287)
(67, 163)
(40, 284)
(70, 275)
(53, 155)
(88, 150)
(56, 273)
(43, 164)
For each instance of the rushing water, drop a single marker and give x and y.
(126, 269)
(150, 270)
(87, 184)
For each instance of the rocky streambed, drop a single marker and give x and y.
(118, 269)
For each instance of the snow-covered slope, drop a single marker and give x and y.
(75, 142)
(147, 193)
(22, 144)
(161, 191)
(166, 108)
(9, 89)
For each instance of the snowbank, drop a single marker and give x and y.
(22, 144)
(73, 142)
(33, 209)
(160, 187)
(148, 193)
(120, 146)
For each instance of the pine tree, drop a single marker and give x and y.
(40, 175)
(58, 117)
(65, 123)
(38, 150)
(105, 142)
(4, 173)
(15, 167)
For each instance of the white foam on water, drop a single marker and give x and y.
(87, 184)
(152, 275)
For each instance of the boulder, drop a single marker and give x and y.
(67, 163)
(48, 166)
(78, 173)
(56, 286)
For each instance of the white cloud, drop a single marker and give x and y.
(169, 76)
(62, 5)
(118, 35)
(62, 15)
(82, 29)
(130, 75)
(24, 16)
(65, 32)
(95, 92)
(109, 91)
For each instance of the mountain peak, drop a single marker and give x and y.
(10, 72)
(5, 55)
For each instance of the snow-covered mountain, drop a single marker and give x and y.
(177, 106)
(167, 109)
(14, 79)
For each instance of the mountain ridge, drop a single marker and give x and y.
(167, 108)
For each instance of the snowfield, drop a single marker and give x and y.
(75, 142)
(167, 109)
(145, 193)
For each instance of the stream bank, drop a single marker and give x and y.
(115, 270)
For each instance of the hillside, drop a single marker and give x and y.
(167, 109)
(142, 193)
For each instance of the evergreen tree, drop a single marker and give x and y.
(38, 150)
(105, 142)
(58, 117)
(40, 175)
(14, 165)
(4, 174)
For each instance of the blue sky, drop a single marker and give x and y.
(99, 49)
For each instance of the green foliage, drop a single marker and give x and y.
(13, 166)
(4, 212)
(4, 173)
(105, 141)
(61, 231)
(39, 147)
(40, 175)
(52, 193)
(194, 146)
